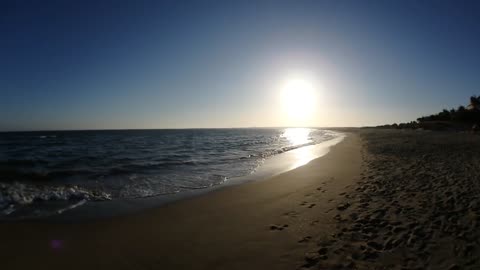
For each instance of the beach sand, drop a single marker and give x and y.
(381, 199)
(267, 224)
(417, 205)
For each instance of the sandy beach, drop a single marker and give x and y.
(416, 206)
(267, 224)
(239, 135)
(381, 199)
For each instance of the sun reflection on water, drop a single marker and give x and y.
(297, 136)
(305, 144)
(302, 156)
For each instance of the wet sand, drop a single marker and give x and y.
(268, 224)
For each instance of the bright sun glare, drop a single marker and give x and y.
(299, 98)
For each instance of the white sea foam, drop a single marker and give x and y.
(16, 195)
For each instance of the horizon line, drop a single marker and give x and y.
(127, 129)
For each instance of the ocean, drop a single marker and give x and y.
(45, 173)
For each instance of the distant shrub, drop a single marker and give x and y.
(462, 117)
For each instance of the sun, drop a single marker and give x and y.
(299, 99)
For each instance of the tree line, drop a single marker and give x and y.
(453, 118)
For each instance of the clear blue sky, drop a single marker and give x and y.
(180, 64)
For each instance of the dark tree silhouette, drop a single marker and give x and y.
(460, 118)
(474, 103)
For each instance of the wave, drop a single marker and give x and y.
(74, 168)
(11, 174)
(16, 195)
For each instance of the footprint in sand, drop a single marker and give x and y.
(292, 214)
(310, 205)
(329, 210)
(278, 227)
(305, 239)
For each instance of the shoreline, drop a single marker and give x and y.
(271, 167)
(230, 227)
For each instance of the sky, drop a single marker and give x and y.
(221, 64)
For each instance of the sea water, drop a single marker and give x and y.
(50, 172)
